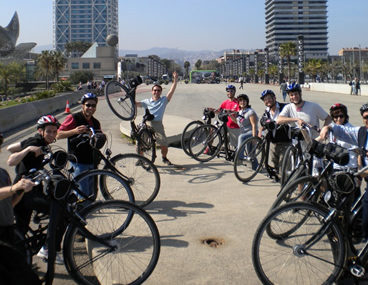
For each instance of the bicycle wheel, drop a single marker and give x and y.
(288, 164)
(249, 159)
(306, 256)
(141, 174)
(120, 102)
(113, 183)
(135, 252)
(187, 132)
(146, 144)
(205, 143)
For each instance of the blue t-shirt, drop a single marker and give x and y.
(156, 108)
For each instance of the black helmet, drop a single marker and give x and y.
(89, 96)
(293, 87)
(363, 109)
(267, 92)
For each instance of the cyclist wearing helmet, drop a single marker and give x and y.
(302, 112)
(232, 105)
(280, 136)
(27, 155)
(74, 125)
(356, 136)
(157, 106)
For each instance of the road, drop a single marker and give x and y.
(199, 202)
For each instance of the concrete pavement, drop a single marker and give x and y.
(202, 203)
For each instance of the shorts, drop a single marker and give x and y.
(160, 135)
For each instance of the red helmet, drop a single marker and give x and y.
(47, 120)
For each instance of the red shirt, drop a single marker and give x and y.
(70, 123)
(231, 106)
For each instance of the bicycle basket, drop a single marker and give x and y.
(60, 187)
(59, 159)
(337, 153)
(99, 140)
(223, 117)
(208, 113)
(343, 182)
(316, 148)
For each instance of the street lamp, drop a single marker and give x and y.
(360, 63)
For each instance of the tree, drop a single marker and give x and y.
(81, 76)
(312, 68)
(198, 64)
(273, 70)
(45, 65)
(287, 50)
(11, 74)
(59, 62)
(79, 46)
(186, 67)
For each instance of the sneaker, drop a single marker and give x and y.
(207, 151)
(44, 254)
(166, 161)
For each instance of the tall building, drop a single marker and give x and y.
(84, 20)
(287, 19)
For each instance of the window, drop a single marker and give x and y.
(85, 65)
(97, 65)
(75, 65)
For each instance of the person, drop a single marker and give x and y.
(241, 80)
(301, 112)
(280, 139)
(353, 86)
(10, 195)
(27, 155)
(355, 136)
(231, 105)
(74, 125)
(283, 87)
(157, 105)
(357, 86)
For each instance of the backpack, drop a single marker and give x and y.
(362, 140)
(282, 131)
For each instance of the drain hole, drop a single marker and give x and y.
(212, 242)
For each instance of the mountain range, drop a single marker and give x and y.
(179, 56)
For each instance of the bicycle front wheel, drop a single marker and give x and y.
(133, 253)
(205, 143)
(187, 132)
(249, 159)
(307, 255)
(141, 174)
(120, 102)
(146, 144)
(288, 164)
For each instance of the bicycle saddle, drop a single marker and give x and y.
(148, 116)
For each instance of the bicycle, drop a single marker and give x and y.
(312, 238)
(138, 172)
(121, 100)
(253, 154)
(209, 141)
(208, 114)
(101, 237)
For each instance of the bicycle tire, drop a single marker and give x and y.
(249, 159)
(205, 143)
(120, 102)
(136, 247)
(146, 145)
(187, 132)
(141, 174)
(288, 260)
(115, 183)
(288, 164)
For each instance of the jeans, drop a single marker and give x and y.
(242, 137)
(86, 185)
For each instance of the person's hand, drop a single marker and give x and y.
(36, 150)
(175, 75)
(81, 129)
(324, 134)
(23, 184)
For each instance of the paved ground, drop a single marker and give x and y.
(201, 201)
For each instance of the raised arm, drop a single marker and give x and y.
(16, 157)
(173, 86)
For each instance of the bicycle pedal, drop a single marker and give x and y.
(357, 270)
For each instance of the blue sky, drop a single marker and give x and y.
(192, 24)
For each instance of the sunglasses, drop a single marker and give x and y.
(365, 117)
(156, 90)
(90, 105)
(342, 116)
(229, 90)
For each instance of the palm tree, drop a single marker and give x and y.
(198, 64)
(273, 70)
(58, 63)
(45, 65)
(312, 67)
(287, 50)
(11, 73)
(186, 67)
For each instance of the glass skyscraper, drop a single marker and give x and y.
(287, 19)
(84, 20)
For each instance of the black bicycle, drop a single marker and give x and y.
(208, 115)
(209, 141)
(107, 242)
(138, 172)
(313, 243)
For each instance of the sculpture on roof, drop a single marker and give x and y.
(8, 39)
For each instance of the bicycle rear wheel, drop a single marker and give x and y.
(205, 143)
(141, 174)
(249, 159)
(187, 132)
(306, 255)
(288, 164)
(113, 183)
(120, 102)
(146, 144)
(135, 251)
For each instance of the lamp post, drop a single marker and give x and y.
(360, 63)
(267, 76)
(300, 59)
